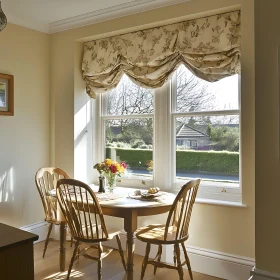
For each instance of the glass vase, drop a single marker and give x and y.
(111, 182)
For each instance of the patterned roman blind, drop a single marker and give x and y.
(209, 47)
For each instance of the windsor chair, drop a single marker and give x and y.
(85, 220)
(174, 232)
(46, 179)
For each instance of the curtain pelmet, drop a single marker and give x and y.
(209, 47)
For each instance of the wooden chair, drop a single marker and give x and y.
(46, 180)
(84, 217)
(174, 232)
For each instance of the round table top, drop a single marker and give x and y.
(125, 198)
(126, 206)
(120, 202)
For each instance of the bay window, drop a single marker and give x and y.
(186, 129)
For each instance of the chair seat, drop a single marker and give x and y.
(154, 234)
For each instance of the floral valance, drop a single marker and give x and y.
(209, 47)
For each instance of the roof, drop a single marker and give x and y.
(187, 131)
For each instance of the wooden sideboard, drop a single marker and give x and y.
(16, 253)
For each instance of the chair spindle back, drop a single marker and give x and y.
(81, 210)
(180, 213)
(46, 180)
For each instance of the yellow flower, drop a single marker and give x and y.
(118, 166)
(108, 162)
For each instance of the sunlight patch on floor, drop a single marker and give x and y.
(62, 275)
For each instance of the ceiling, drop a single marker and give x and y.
(52, 16)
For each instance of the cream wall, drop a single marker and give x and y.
(24, 137)
(220, 228)
(267, 136)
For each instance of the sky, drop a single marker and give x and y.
(226, 92)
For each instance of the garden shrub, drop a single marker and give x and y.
(208, 161)
(134, 158)
(193, 161)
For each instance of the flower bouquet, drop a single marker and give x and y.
(111, 170)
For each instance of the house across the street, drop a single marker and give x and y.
(192, 138)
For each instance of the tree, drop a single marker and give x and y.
(137, 132)
(224, 137)
(129, 98)
(192, 93)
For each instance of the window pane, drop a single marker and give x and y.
(128, 98)
(195, 94)
(208, 147)
(131, 140)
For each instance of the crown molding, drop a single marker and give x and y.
(116, 11)
(92, 17)
(132, 7)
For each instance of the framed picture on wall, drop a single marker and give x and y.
(6, 95)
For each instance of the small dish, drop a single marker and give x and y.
(146, 194)
(143, 195)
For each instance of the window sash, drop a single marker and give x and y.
(134, 180)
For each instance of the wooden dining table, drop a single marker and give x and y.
(126, 206)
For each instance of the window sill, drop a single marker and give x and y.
(220, 202)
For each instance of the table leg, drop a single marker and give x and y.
(130, 226)
(130, 247)
(62, 235)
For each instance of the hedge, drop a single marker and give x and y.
(204, 161)
(134, 158)
(208, 161)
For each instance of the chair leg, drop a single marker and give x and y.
(47, 239)
(179, 264)
(121, 251)
(71, 243)
(145, 261)
(100, 251)
(78, 253)
(158, 257)
(187, 260)
(72, 259)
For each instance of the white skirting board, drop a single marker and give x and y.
(217, 264)
(204, 261)
(41, 229)
(258, 274)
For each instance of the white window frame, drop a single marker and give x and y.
(164, 147)
(133, 180)
(210, 190)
